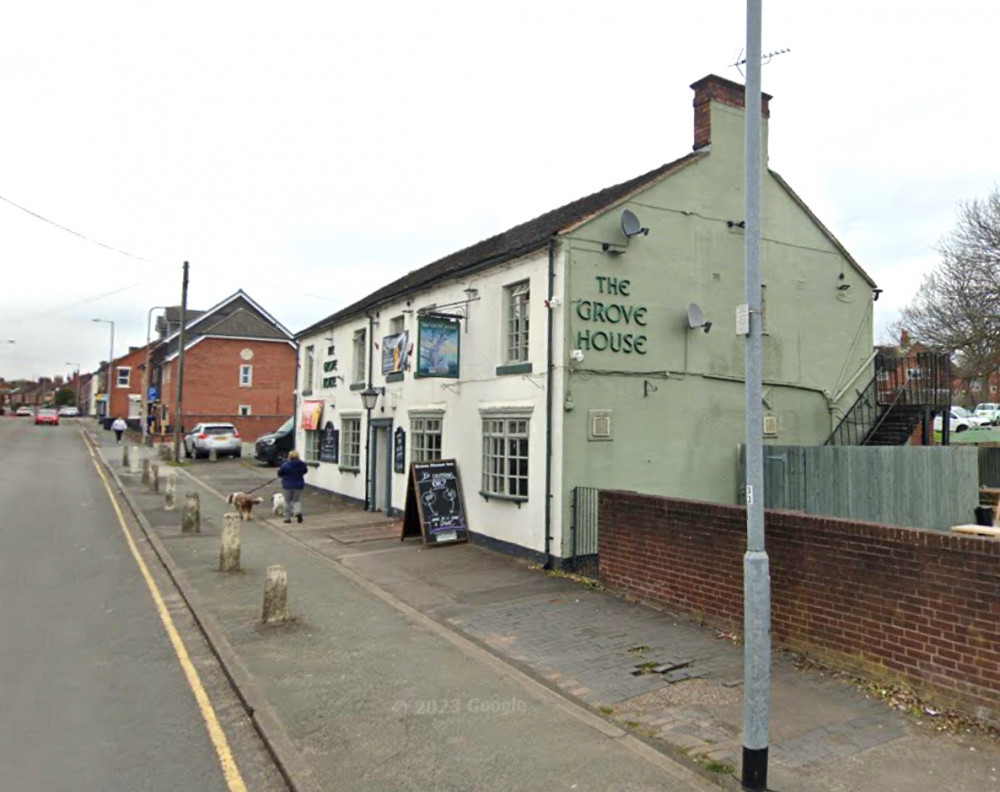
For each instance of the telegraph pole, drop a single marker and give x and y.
(180, 368)
(756, 573)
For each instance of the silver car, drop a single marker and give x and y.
(223, 437)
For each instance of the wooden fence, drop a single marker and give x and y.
(931, 487)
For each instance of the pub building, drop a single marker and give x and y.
(595, 346)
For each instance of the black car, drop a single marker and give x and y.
(273, 448)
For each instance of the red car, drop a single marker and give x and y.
(47, 417)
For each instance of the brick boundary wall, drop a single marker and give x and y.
(896, 604)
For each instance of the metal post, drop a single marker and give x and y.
(756, 575)
(180, 367)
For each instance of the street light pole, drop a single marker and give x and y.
(111, 360)
(756, 571)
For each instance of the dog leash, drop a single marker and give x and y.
(262, 485)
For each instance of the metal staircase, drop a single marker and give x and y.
(905, 391)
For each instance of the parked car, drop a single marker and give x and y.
(69, 412)
(273, 448)
(24, 411)
(960, 420)
(223, 437)
(990, 411)
(47, 416)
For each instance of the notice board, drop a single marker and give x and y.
(435, 509)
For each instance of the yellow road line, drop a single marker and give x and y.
(229, 769)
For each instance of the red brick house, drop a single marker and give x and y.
(126, 384)
(239, 366)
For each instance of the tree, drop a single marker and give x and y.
(958, 306)
(65, 397)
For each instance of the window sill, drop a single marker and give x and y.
(357, 386)
(395, 376)
(518, 499)
(307, 392)
(345, 469)
(514, 368)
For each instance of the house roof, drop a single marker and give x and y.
(514, 242)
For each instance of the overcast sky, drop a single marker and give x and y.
(311, 152)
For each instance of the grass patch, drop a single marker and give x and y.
(604, 709)
(720, 767)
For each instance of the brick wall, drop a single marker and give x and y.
(897, 604)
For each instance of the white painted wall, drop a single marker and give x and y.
(461, 400)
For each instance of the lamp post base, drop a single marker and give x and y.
(754, 776)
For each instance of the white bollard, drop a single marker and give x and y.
(229, 552)
(166, 453)
(213, 455)
(135, 459)
(168, 496)
(191, 517)
(275, 595)
(154, 478)
(145, 472)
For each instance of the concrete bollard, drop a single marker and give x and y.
(229, 552)
(145, 472)
(125, 457)
(275, 595)
(134, 459)
(213, 455)
(168, 496)
(166, 452)
(154, 478)
(191, 516)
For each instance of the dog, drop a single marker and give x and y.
(278, 504)
(244, 504)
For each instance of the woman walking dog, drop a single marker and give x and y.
(292, 474)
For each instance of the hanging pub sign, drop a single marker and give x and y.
(437, 347)
(434, 509)
(399, 451)
(312, 414)
(329, 444)
(394, 349)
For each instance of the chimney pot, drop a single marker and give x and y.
(717, 89)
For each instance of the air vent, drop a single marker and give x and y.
(599, 425)
(770, 425)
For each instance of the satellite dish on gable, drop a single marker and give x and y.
(696, 318)
(631, 226)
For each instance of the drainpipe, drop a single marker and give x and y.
(369, 501)
(549, 377)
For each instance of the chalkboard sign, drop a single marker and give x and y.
(399, 451)
(434, 506)
(329, 444)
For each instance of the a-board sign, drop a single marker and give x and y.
(329, 444)
(435, 509)
(399, 451)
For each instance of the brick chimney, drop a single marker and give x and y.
(713, 89)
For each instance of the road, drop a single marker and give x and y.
(94, 692)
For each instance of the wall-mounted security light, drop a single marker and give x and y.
(696, 319)
(577, 355)
(875, 294)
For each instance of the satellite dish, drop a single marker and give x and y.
(695, 317)
(631, 226)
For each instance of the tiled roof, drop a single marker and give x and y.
(514, 242)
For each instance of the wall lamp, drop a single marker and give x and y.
(369, 397)
(876, 293)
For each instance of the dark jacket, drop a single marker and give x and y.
(293, 474)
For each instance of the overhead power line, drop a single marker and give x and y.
(75, 233)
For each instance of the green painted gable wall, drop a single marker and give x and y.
(677, 409)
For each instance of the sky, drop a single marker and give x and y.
(312, 152)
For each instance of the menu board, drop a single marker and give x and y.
(329, 444)
(434, 506)
(399, 451)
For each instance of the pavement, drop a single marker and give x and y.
(406, 667)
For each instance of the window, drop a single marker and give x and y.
(350, 443)
(516, 333)
(505, 455)
(244, 409)
(246, 376)
(396, 325)
(308, 369)
(122, 376)
(425, 437)
(311, 451)
(359, 356)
